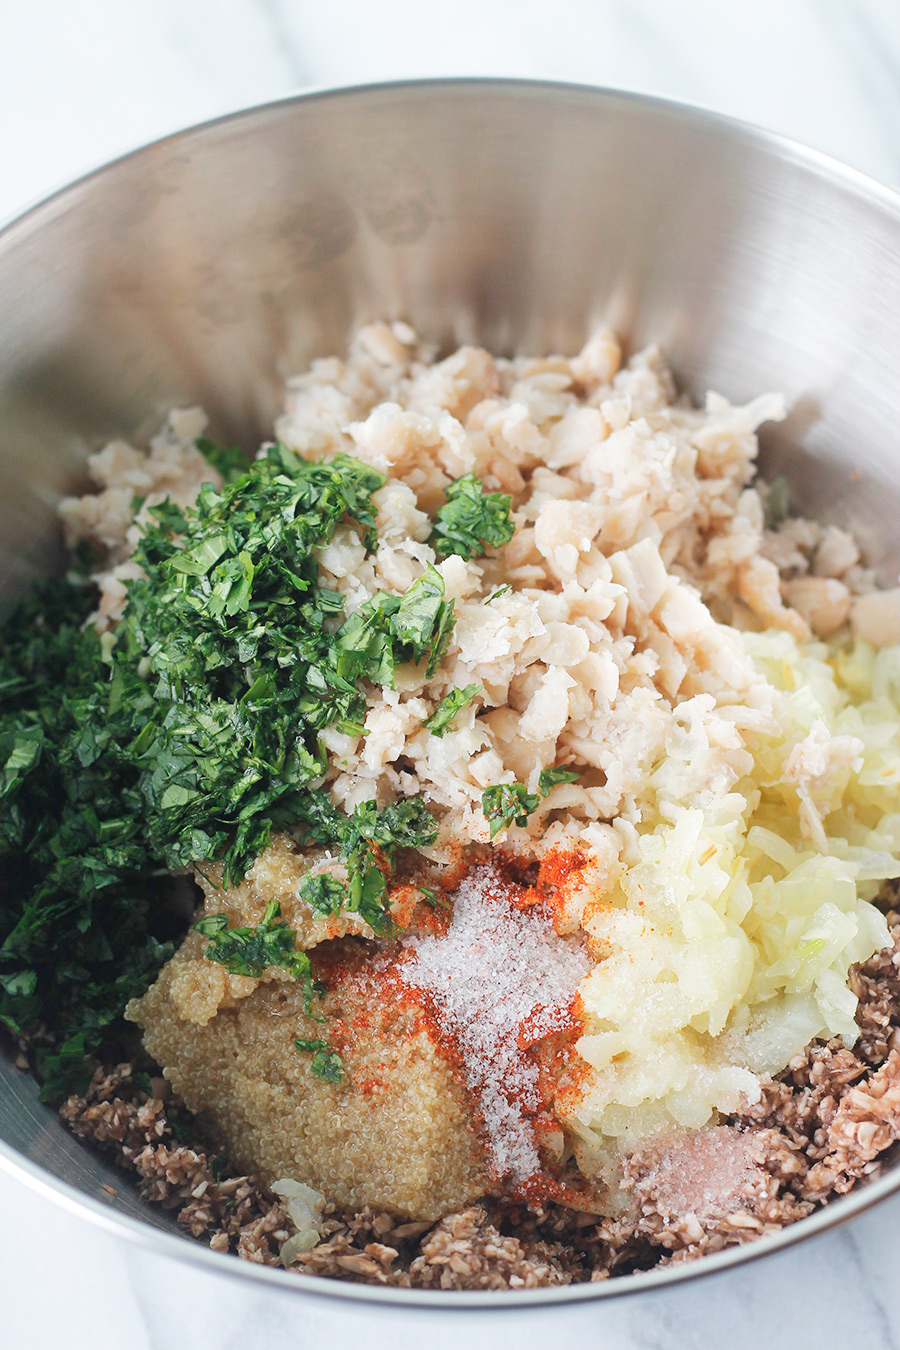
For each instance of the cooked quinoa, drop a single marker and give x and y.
(619, 746)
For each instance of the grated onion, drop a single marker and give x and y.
(304, 1206)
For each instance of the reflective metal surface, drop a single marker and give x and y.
(207, 267)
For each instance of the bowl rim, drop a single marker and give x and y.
(826, 165)
(145, 1235)
(175, 1247)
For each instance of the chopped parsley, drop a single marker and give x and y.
(495, 595)
(471, 520)
(76, 889)
(251, 951)
(507, 804)
(367, 841)
(141, 1080)
(229, 462)
(550, 777)
(390, 629)
(219, 1166)
(323, 893)
(183, 1127)
(436, 899)
(62, 1070)
(242, 669)
(326, 1063)
(188, 734)
(439, 721)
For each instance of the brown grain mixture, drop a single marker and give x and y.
(818, 1128)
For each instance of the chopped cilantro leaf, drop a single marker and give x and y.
(471, 520)
(390, 629)
(436, 899)
(367, 841)
(505, 804)
(323, 893)
(326, 1063)
(495, 595)
(550, 777)
(251, 951)
(452, 703)
(229, 462)
(219, 1166)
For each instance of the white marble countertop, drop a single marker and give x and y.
(82, 82)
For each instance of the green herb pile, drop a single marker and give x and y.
(76, 880)
(193, 730)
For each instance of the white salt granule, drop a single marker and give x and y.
(499, 978)
(708, 1171)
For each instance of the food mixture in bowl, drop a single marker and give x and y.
(483, 810)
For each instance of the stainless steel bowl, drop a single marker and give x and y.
(207, 267)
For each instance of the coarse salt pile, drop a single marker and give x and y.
(699, 1172)
(500, 979)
